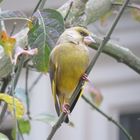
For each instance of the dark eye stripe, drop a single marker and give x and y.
(83, 33)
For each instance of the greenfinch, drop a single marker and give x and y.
(67, 64)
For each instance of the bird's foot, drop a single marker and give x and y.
(66, 108)
(84, 77)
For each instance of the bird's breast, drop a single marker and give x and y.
(72, 63)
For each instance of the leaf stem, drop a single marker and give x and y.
(81, 82)
(108, 117)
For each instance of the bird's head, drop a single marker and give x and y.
(76, 35)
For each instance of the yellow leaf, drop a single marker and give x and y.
(30, 24)
(95, 94)
(19, 108)
(8, 43)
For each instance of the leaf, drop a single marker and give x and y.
(19, 108)
(136, 14)
(47, 118)
(24, 126)
(3, 137)
(47, 26)
(95, 94)
(7, 43)
(8, 15)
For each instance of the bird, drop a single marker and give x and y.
(68, 62)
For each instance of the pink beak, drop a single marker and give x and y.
(89, 40)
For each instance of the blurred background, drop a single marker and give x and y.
(119, 85)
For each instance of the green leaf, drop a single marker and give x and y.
(8, 15)
(47, 118)
(3, 137)
(24, 126)
(47, 26)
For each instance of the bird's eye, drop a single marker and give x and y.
(83, 33)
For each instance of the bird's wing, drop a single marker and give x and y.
(53, 73)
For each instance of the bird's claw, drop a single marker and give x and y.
(84, 77)
(66, 108)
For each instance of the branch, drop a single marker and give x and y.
(108, 117)
(84, 12)
(39, 5)
(130, 5)
(68, 11)
(15, 80)
(35, 82)
(120, 53)
(81, 82)
(77, 9)
(27, 92)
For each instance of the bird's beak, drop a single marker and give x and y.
(88, 40)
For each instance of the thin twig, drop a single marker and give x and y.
(27, 93)
(5, 82)
(2, 24)
(19, 68)
(67, 14)
(56, 126)
(42, 4)
(130, 5)
(81, 82)
(13, 28)
(35, 82)
(39, 5)
(4, 108)
(108, 117)
(11, 92)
